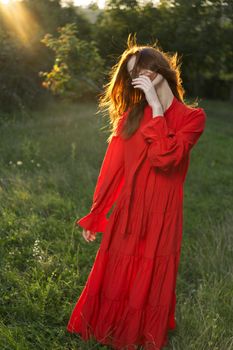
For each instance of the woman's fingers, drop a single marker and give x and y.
(84, 233)
(88, 235)
(92, 236)
(144, 78)
(140, 85)
(143, 82)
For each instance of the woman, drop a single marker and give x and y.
(129, 298)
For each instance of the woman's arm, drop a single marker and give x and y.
(108, 186)
(167, 148)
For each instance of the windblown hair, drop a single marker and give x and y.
(120, 96)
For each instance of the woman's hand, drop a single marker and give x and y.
(88, 235)
(144, 82)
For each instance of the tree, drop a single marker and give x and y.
(78, 67)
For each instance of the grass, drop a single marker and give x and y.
(49, 165)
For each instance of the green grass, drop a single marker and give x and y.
(49, 165)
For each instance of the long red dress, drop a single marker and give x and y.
(129, 297)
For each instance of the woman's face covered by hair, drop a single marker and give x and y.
(134, 71)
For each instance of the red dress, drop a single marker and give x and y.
(129, 297)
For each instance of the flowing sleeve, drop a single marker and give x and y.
(167, 148)
(108, 186)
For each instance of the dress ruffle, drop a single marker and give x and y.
(133, 305)
(94, 222)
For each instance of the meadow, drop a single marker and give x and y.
(49, 162)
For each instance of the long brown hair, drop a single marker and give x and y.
(120, 96)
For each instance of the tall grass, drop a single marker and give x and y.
(49, 165)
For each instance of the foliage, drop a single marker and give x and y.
(23, 56)
(200, 31)
(18, 83)
(78, 66)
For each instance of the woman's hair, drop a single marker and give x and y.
(120, 96)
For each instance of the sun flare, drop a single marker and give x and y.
(19, 20)
(5, 2)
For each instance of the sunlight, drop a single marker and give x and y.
(5, 2)
(18, 18)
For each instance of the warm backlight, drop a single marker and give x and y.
(5, 2)
(20, 21)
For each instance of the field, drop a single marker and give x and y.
(49, 165)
